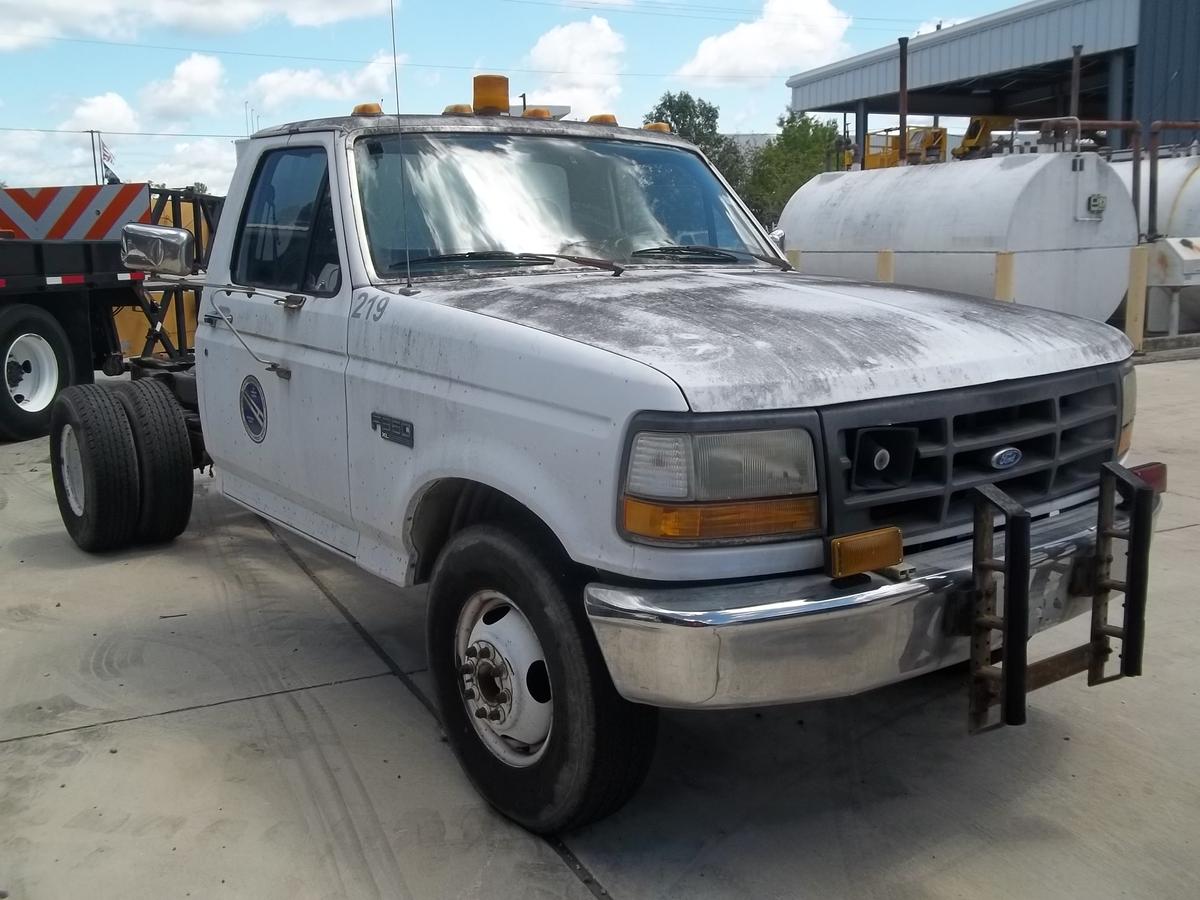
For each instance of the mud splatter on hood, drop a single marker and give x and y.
(755, 340)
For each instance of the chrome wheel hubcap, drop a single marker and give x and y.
(31, 372)
(70, 464)
(503, 679)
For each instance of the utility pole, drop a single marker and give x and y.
(903, 98)
(95, 165)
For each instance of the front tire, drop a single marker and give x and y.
(526, 701)
(37, 363)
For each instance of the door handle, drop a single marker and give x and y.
(292, 302)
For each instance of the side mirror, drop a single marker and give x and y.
(779, 238)
(157, 248)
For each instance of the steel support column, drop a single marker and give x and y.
(1116, 95)
(860, 128)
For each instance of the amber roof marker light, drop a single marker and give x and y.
(491, 95)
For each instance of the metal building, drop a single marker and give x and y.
(1140, 60)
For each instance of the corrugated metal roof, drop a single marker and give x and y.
(1031, 34)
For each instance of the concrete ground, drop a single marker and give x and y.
(240, 715)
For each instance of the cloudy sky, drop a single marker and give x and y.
(178, 76)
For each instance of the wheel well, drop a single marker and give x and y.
(448, 506)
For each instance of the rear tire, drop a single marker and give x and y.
(596, 748)
(36, 356)
(94, 463)
(164, 456)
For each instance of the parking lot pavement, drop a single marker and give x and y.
(224, 716)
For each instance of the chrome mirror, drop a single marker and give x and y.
(778, 237)
(157, 248)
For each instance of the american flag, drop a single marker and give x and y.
(107, 160)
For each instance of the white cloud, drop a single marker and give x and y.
(30, 159)
(208, 160)
(789, 35)
(104, 112)
(194, 87)
(276, 89)
(30, 23)
(585, 57)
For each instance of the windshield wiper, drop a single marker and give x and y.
(509, 256)
(701, 251)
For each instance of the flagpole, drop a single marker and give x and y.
(95, 167)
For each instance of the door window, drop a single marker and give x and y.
(287, 240)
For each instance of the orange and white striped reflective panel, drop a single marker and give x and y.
(77, 213)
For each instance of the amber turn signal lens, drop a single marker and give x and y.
(1125, 440)
(714, 521)
(865, 552)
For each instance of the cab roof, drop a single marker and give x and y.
(409, 124)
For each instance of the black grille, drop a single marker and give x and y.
(1065, 426)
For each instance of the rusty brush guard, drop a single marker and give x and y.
(1008, 683)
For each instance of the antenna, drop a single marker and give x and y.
(408, 286)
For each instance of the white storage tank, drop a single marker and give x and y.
(1178, 216)
(1067, 220)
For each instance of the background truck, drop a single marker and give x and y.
(67, 304)
(636, 471)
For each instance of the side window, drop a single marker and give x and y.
(287, 240)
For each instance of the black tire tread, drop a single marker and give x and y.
(621, 742)
(164, 455)
(110, 468)
(626, 733)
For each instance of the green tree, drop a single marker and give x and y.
(800, 151)
(695, 120)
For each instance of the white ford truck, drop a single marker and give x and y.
(559, 372)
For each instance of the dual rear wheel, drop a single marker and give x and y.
(122, 464)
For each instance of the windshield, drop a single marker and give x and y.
(483, 195)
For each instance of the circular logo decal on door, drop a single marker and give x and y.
(254, 409)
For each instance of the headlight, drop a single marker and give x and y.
(721, 486)
(1128, 409)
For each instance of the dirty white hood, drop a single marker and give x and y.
(755, 340)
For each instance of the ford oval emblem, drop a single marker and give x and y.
(1006, 458)
(253, 403)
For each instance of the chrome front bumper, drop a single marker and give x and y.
(801, 638)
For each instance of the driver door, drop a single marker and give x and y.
(278, 434)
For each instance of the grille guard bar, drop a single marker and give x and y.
(1008, 683)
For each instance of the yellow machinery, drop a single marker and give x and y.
(925, 143)
(977, 141)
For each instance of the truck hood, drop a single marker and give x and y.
(755, 340)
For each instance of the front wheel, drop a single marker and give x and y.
(526, 700)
